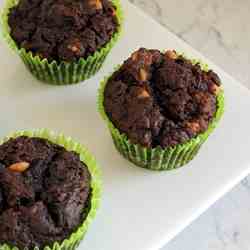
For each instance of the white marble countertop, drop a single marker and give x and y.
(221, 31)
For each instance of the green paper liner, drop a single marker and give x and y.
(74, 239)
(61, 73)
(159, 158)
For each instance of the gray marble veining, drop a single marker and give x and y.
(221, 31)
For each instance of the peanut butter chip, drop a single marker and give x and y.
(171, 54)
(134, 56)
(113, 12)
(143, 75)
(19, 167)
(214, 89)
(96, 3)
(194, 126)
(73, 48)
(144, 94)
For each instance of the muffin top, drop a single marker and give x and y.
(44, 192)
(161, 99)
(63, 30)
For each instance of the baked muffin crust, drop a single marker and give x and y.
(161, 99)
(44, 192)
(63, 30)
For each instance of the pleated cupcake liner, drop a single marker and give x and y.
(159, 158)
(74, 239)
(61, 73)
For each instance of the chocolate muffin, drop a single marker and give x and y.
(62, 41)
(45, 192)
(161, 100)
(63, 30)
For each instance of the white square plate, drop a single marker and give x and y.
(141, 210)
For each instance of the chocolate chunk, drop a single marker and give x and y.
(214, 77)
(15, 190)
(2, 166)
